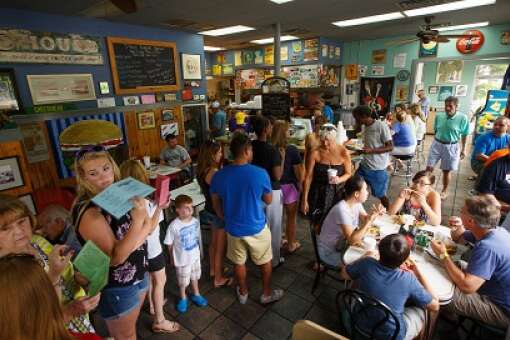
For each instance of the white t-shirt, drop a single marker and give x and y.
(153, 243)
(341, 213)
(184, 238)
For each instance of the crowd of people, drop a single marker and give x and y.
(245, 204)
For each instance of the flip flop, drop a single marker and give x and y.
(296, 245)
(227, 282)
(171, 327)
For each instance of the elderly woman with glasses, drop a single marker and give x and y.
(420, 200)
(123, 240)
(16, 237)
(327, 168)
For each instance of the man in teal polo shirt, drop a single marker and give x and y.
(450, 127)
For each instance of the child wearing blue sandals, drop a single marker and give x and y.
(182, 239)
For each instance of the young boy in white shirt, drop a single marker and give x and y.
(182, 239)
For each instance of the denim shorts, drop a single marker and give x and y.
(377, 180)
(211, 219)
(118, 301)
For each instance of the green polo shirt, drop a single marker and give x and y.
(451, 129)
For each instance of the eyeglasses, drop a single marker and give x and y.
(86, 149)
(422, 183)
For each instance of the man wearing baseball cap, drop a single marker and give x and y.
(219, 120)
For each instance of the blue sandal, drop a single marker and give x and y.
(182, 305)
(199, 300)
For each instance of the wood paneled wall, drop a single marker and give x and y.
(11, 149)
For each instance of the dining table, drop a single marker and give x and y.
(163, 170)
(426, 261)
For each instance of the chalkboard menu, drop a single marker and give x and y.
(141, 66)
(276, 98)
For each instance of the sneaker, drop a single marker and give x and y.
(199, 300)
(182, 305)
(242, 298)
(276, 295)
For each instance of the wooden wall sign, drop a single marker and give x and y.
(141, 66)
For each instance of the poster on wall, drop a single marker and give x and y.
(297, 52)
(329, 76)
(461, 90)
(444, 92)
(237, 58)
(228, 70)
(324, 50)
(259, 56)
(303, 76)
(402, 93)
(363, 70)
(24, 46)
(399, 60)
(61, 88)
(505, 38)
(377, 70)
(379, 56)
(247, 57)
(351, 72)
(337, 53)
(269, 55)
(428, 49)
(449, 71)
(216, 70)
(311, 50)
(34, 142)
(433, 89)
(331, 52)
(284, 53)
(376, 93)
(191, 66)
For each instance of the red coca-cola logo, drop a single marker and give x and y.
(471, 43)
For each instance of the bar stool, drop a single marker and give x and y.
(408, 159)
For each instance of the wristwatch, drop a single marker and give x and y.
(444, 255)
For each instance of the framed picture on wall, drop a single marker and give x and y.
(61, 88)
(9, 96)
(461, 90)
(433, 89)
(449, 71)
(146, 120)
(191, 66)
(10, 173)
(28, 200)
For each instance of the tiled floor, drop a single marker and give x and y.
(225, 318)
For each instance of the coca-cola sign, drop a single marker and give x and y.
(471, 42)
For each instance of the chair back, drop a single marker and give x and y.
(355, 308)
(308, 330)
(313, 236)
(58, 196)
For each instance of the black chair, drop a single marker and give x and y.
(478, 329)
(353, 306)
(320, 263)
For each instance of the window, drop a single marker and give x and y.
(487, 77)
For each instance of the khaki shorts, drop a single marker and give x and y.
(258, 246)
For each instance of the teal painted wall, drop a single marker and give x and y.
(360, 52)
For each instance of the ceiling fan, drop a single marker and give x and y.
(428, 34)
(110, 8)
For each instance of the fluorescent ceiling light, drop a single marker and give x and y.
(227, 30)
(369, 20)
(212, 48)
(461, 27)
(279, 2)
(451, 6)
(271, 40)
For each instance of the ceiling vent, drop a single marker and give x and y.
(414, 4)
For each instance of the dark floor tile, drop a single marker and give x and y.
(223, 329)
(327, 299)
(245, 315)
(221, 298)
(291, 307)
(182, 334)
(249, 336)
(283, 277)
(303, 288)
(296, 263)
(272, 326)
(196, 319)
(324, 317)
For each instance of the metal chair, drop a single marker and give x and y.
(408, 159)
(354, 307)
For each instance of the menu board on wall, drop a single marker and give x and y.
(302, 76)
(140, 66)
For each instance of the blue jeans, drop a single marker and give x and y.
(118, 301)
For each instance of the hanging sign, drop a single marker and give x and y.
(471, 43)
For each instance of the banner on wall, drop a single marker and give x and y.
(376, 93)
(24, 46)
(428, 49)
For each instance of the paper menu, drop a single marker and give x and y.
(94, 265)
(116, 199)
(162, 190)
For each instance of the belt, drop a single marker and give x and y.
(442, 142)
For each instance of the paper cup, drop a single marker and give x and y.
(369, 243)
(147, 161)
(331, 174)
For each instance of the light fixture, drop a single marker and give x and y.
(213, 48)
(227, 30)
(451, 6)
(369, 20)
(271, 40)
(279, 2)
(461, 27)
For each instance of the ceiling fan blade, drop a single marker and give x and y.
(458, 35)
(127, 6)
(400, 42)
(441, 39)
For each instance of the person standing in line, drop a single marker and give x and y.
(269, 158)
(219, 120)
(450, 127)
(424, 103)
(239, 193)
(377, 145)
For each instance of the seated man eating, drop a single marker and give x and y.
(385, 281)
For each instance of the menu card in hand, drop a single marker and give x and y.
(162, 190)
(93, 264)
(116, 199)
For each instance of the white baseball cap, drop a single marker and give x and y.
(215, 104)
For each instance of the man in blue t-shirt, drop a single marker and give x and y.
(327, 111)
(385, 281)
(219, 120)
(239, 193)
(483, 289)
(489, 142)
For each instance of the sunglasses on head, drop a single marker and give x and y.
(86, 149)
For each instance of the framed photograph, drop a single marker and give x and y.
(172, 128)
(433, 89)
(61, 88)
(191, 66)
(9, 96)
(104, 88)
(167, 115)
(449, 71)
(461, 90)
(131, 100)
(10, 173)
(28, 200)
(444, 92)
(146, 120)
